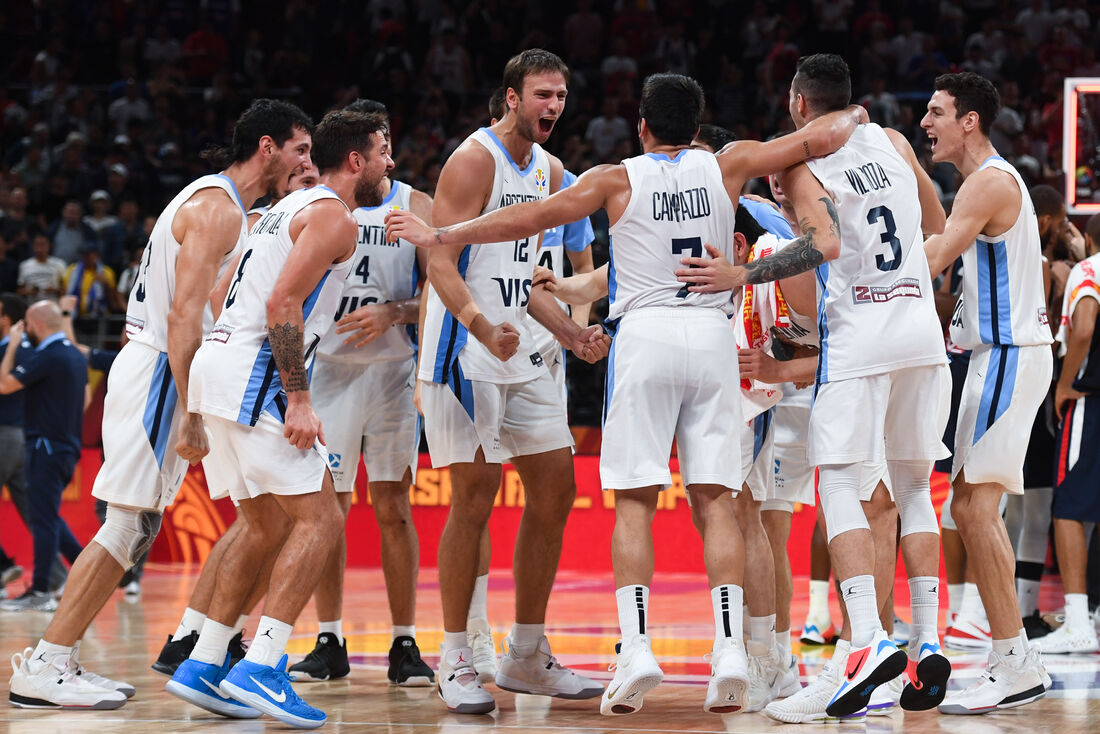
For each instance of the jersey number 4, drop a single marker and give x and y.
(888, 237)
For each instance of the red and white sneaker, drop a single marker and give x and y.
(968, 633)
(866, 669)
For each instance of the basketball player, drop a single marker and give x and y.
(179, 644)
(874, 181)
(1002, 316)
(251, 384)
(653, 201)
(1076, 500)
(196, 236)
(363, 394)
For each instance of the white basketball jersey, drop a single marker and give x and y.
(152, 294)
(499, 278)
(1083, 282)
(1003, 300)
(876, 311)
(381, 272)
(234, 373)
(676, 206)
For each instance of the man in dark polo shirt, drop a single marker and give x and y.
(13, 446)
(54, 377)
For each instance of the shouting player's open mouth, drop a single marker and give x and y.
(546, 124)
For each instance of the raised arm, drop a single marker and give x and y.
(323, 233)
(207, 227)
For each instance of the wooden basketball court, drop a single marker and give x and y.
(126, 638)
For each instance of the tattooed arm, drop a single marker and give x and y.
(323, 233)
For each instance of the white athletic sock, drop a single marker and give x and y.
(633, 604)
(333, 628)
(1077, 611)
(525, 639)
(404, 631)
(269, 644)
(191, 622)
(45, 652)
(859, 597)
(819, 600)
(453, 641)
(972, 607)
(213, 643)
(726, 601)
(1013, 649)
(955, 597)
(241, 622)
(762, 630)
(924, 601)
(1027, 592)
(479, 602)
(783, 642)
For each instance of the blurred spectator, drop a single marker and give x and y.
(70, 233)
(1008, 123)
(100, 218)
(618, 65)
(1034, 21)
(129, 275)
(583, 35)
(41, 275)
(882, 107)
(675, 53)
(448, 65)
(15, 223)
(607, 130)
(129, 107)
(204, 51)
(93, 283)
(9, 267)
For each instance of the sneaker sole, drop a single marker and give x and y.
(165, 668)
(1017, 699)
(209, 703)
(1089, 648)
(486, 707)
(857, 698)
(261, 704)
(732, 696)
(512, 685)
(635, 691)
(967, 643)
(29, 702)
(818, 717)
(932, 674)
(414, 681)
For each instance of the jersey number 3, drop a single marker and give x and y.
(888, 237)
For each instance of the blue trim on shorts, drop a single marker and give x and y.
(462, 388)
(1000, 379)
(160, 406)
(609, 381)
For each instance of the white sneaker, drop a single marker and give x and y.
(479, 636)
(867, 668)
(886, 698)
(818, 630)
(807, 706)
(766, 675)
(791, 682)
(539, 674)
(132, 590)
(728, 690)
(1069, 639)
(636, 674)
(457, 683)
(38, 601)
(98, 680)
(968, 633)
(53, 684)
(902, 632)
(1002, 685)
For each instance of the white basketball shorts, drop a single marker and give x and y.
(672, 373)
(140, 418)
(757, 464)
(367, 409)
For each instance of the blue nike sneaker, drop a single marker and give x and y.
(268, 689)
(198, 683)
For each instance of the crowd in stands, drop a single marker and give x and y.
(107, 104)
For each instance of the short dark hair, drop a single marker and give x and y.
(824, 81)
(672, 105)
(340, 132)
(271, 117)
(746, 224)
(531, 61)
(1046, 200)
(972, 93)
(367, 106)
(14, 306)
(497, 107)
(715, 137)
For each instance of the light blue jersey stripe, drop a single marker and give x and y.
(994, 295)
(822, 325)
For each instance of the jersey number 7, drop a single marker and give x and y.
(694, 245)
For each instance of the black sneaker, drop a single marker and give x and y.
(406, 667)
(237, 649)
(175, 652)
(328, 660)
(1035, 626)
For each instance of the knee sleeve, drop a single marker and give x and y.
(838, 486)
(913, 496)
(1031, 543)
(127, 533)
(947, 522)
(775, 505)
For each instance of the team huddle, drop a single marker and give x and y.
(772, 342)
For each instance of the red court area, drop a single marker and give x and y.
(194, 522)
